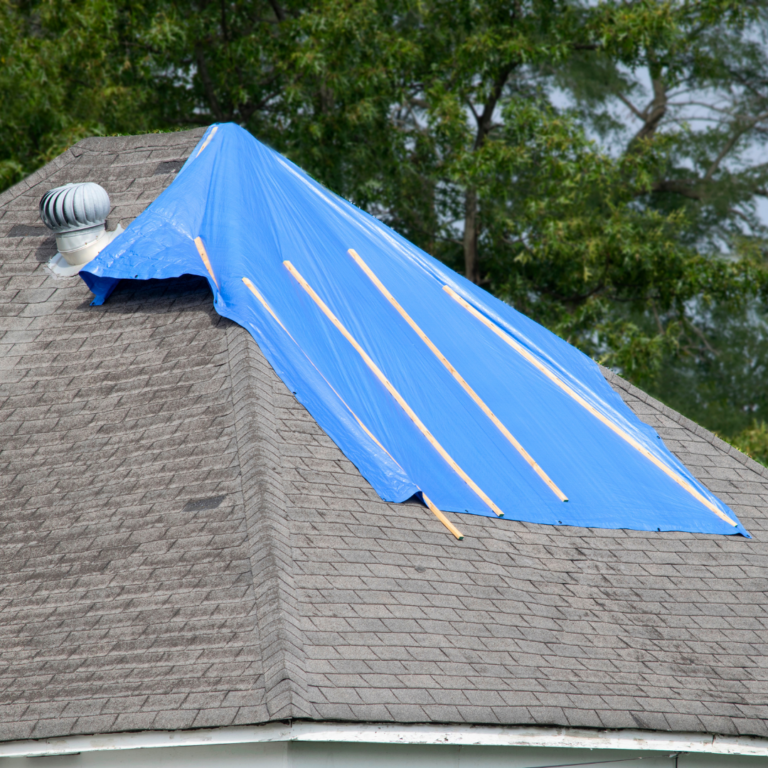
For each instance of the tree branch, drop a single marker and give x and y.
(637, 113)
(731, 143)
(224, 26)
(277, 8)
(484, 121)
(678, 187)
(653, 113)
(701, 335)
(210, 92)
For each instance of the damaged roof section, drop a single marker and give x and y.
(375, 337)
(182, 545)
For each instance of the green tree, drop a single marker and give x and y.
(66, 73)
(754, 441)
(594, 163)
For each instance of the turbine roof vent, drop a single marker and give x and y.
(74, 207)
(77, 214)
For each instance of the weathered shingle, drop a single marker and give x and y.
(120, 607)
(182, 546)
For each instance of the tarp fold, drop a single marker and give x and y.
(253, 210)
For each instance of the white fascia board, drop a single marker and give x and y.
(460, 735)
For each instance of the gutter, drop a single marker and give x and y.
(457, 735)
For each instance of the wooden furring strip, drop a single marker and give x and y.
(255, 291)
(438, 514)
(456, 375)
(581, 401)
(204, 256)
(392, 391)
(208, 140)
(442, 518)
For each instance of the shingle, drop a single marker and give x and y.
(184, 547)
(114, 669)
(174, 720)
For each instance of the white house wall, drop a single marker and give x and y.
(368, 755)
(258, 755)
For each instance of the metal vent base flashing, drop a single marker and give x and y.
(61, 265)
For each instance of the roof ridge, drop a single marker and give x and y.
(73, 153)
(41, 174)
(277, 614)
(130, 143)
(617, 381)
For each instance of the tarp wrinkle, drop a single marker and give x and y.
(449, 434)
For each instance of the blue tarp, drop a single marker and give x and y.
(253, 210)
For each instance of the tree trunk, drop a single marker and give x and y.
(484, 123)
(653, 114)
(471, 270)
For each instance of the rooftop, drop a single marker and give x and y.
(182, 546)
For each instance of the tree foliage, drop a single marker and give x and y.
(596, 163)
(754, 441)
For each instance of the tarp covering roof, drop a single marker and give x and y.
(429, 385)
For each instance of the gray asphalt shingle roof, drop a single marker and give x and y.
(182, 546)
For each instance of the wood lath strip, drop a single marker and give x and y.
(392, 391)
(438, 514)
(208, 140)
(459, 378)
(204, 256)
(555, 379)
